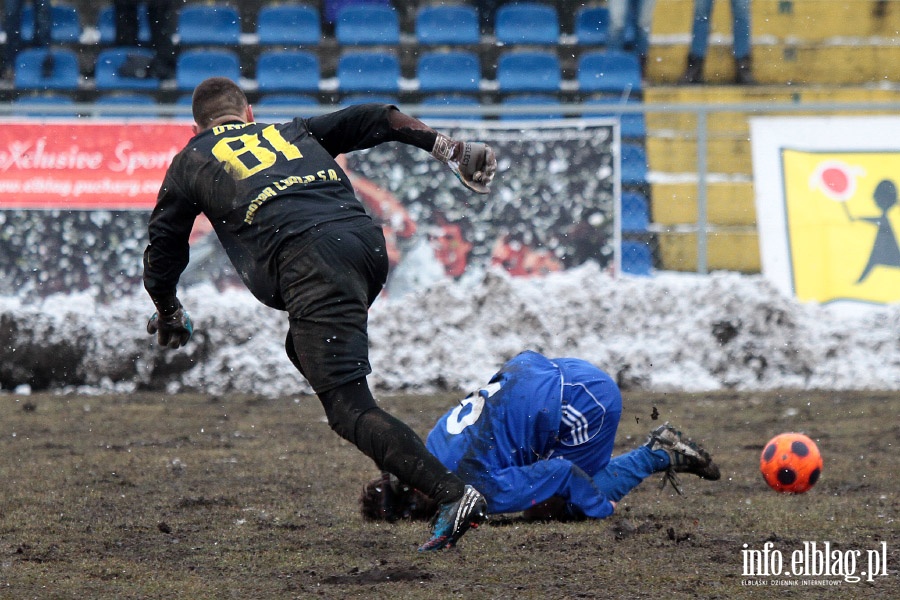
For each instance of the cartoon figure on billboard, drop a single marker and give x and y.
(834, 252)
(886, 251)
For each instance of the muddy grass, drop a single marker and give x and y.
(191, 497)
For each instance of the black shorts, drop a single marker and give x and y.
(329, 278)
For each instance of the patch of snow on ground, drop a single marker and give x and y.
(671, 332)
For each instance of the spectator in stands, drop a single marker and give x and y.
(161, 18)
(43, 26)
(631, 13)
(740, 10)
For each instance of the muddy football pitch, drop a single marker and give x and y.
(152, 495)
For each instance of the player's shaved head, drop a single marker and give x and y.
(215, 98)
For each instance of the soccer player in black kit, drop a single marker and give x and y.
(292, 226)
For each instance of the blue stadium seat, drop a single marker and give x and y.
(527, 23)
(636, 258)
(288, 25)
(452, 24)
(332, 8)
(290, 70)
(609, 71)
(273, 107)
(193, 66)
(106, 76)
(634, 164)
(527, 99)
(65, 76)
(368, 72)
(367, 25)
(455, 71)
(124, 100)
(529, 71)
(631, 125)
(215, 24)
(592, 25)
(106, 24)
(635, 215)
(66, 28)
(455, 100)
(183, 101)
(54, 101)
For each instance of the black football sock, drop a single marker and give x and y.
(391, 443)
(397, 449)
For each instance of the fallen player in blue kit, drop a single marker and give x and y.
(538, 438)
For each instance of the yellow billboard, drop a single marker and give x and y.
(843, 219)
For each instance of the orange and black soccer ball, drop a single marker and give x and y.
(791, 463)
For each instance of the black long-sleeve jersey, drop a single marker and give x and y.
(261, 185)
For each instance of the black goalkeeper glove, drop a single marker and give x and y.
(172, 330)
(473, 163)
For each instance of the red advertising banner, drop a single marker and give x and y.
(83, 166)
(77, 196)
